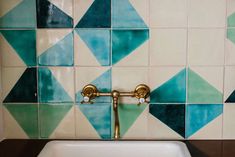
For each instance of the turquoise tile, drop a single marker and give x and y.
(99, 43)
(172, 91)
(22, 15)
(60, 54)
(199, 115)
(126, 41)
(24, 44)
(99, 115)
(124, 15)
(50, 90)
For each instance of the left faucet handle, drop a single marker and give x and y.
(89, 92)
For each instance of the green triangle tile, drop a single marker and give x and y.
(128, 113)
(27, 117)
(231, 20)
(231, 34)
(22, 16)
(60, 54)
(50, 116)
(126, 41)
(200, 91)
(24, 44)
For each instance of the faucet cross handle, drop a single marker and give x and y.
(141, 92)
(89, 92)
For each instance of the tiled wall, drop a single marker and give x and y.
(1, 110)
(183, 49)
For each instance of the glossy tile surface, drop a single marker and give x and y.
(56, 84)
(18, 14)
(53, 14)
(55, 47)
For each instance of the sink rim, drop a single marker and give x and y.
(53, 143)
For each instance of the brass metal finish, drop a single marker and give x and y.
(141, 92)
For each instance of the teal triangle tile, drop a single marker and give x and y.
(99, 115)
(50, 90)
(231, 20)
(50, 16)
(231, 98)
(98, 42)
(50, 117)
(173, 115)
(172, 91)
(26, 116)
(231, 34)
(125, 16)
(25, 90)
(126, 41)
(60, 54)
(24, 44)
(199, 115)
(103, 83)
(97, 16)
(21, 16)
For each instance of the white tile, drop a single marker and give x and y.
(207, 13)
(206, 46)
(228, 121)
(168, 13)
(168, 46)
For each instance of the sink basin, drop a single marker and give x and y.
(115, 149)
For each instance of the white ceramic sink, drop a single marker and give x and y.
(115, 149)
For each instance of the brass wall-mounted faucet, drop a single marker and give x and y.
(90, 92)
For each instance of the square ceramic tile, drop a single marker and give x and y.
(57, 120)
(92, 14)
(98, 76)
(204, 121)
(210, 13)
(55, 13)
(19, 85)
(18, 47)
(125, 79)
(18, 14)
(130, 47)
(133, 121)
(55, 47)
(92, 47)
(230, 13)
(56, 84)
(21, 121)
(204, 44)
(93, 121)
(166, 121)
(130, 14)
(230, 47)
(228, 121)
(168, 84)
(205, 85)
(168, 46)
(229, 84)
(168, 13)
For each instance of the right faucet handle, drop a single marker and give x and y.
(142, 92)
